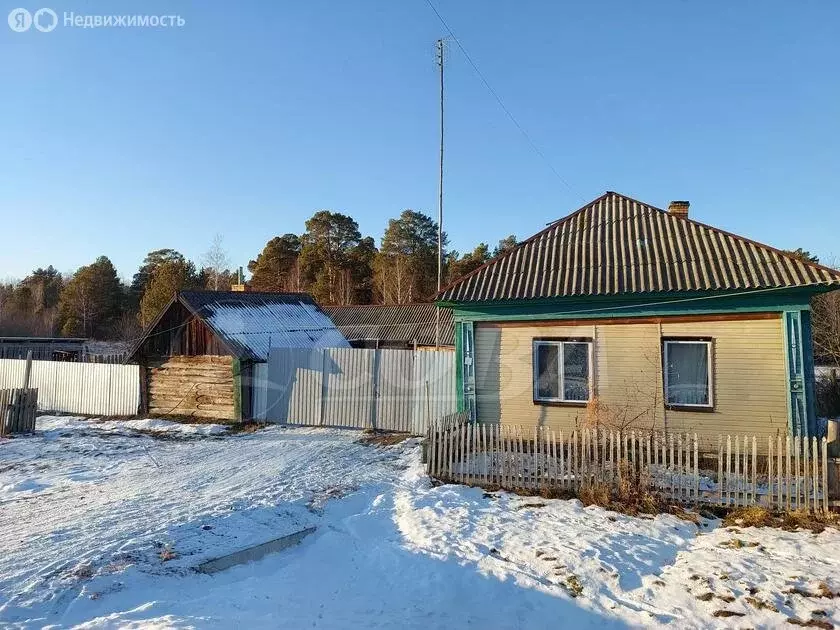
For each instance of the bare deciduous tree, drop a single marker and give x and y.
(825, 318)
(216, 261)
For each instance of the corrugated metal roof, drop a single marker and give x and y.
(251, 323)
(389, 323)
(617, 245)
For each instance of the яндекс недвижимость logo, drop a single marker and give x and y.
(44, 20)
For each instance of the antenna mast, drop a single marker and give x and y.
(440, 49)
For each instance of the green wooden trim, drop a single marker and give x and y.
(799, 372)
(601, 307)
(459, 367)
(808, 373)
(798, 295)
(788, 371)
(237, 388)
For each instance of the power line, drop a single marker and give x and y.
(498, 98)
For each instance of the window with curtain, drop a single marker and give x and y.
(688, 373)
(561, 370)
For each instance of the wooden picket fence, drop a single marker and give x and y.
(18, 408)
(790, 473)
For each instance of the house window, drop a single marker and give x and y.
(561, 370)
(688, 373)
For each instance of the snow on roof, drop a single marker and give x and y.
(251, 323)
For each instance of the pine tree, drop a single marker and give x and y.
(461, 266)
(406, 265)
(167, 279)
(326, 256)
(276, 267)
(91, 301)
(505, 245)
(153, 260)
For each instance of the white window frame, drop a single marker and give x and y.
(560, 370)
(710, 372)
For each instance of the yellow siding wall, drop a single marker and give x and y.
(749, 378)
(748, 368)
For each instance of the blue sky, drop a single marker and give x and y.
(254, 115)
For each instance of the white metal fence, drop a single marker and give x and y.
(394, 390)
(86, 388)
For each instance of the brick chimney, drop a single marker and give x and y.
(679, 209)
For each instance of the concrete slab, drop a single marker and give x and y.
(251, 554)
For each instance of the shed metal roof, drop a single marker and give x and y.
(251, 323)
(406, 323)
(618, 245)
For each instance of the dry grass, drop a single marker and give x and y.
(756, 516)
(82, 572)
(727, 613)
(166, 554)
(761, 604)
(823, 591)
(373, 437)
(596, 494)
(810, 623)
(737, 543)
(631, 495)
(556, 493)
(248, 426)
(573, 586)
(753, 516)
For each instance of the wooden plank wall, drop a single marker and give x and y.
(179, 333)
(18, 409)
(201, 387)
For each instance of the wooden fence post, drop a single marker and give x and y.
(788, 489)
(825, 474)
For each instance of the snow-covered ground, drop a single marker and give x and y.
(100, 526)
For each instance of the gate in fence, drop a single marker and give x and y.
(790, 473)
(392, 390)
(18, 408)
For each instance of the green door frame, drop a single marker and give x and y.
(799, 372)
(465, 367)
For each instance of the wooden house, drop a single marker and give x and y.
(625, 315)
(198, 354)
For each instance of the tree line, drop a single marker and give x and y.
(331, 259)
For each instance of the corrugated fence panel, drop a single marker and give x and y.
(260, 400)
(293, 385)
(348, 387)
(435, 376)
(394, 390)
(86, 388)
(11, 373)
(125, 389)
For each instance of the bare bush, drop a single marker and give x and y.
(828, 396)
